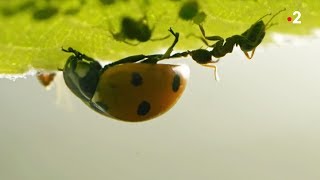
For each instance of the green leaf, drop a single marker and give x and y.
(32, 32)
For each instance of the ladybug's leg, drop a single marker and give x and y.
(170, 49)
(78, 54)
(158, 57)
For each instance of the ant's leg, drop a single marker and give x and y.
(247, 54)
(211, 38)
(204, 38)
(244, 42)
(119, 37)
(215, 68)
(210, 45)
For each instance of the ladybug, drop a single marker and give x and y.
(132, 89)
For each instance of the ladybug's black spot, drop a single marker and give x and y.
(176, 83)
(143, 108)
(136, 79)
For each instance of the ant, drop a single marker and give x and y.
(248, 40)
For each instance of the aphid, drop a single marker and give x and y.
(132, 29)
(189, 10)
(248, 41)
(45, 13)
(132, 89)
(46, 78)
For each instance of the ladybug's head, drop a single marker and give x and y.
(81, 74)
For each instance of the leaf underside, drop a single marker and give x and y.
(32, 32)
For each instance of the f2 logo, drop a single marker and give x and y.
(296, 20)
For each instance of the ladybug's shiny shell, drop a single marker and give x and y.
(139, 91)
(132, 89)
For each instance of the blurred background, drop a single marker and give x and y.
(261, 121)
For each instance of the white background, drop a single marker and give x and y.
(261, 121)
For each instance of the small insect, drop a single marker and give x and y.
(189, 10)
(132, 29)
(46, 78)
(132, 89)
(248, 41)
